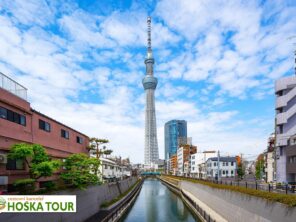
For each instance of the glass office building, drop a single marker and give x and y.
(174, 131)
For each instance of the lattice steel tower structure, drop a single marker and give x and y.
(151, 155)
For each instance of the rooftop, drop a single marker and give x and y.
(223, 159)
(12, 86)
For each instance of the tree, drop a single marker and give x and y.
(259, 166)
(80, 170)
(36, 160)
(95, 145)
(240, 170)
(40, 165)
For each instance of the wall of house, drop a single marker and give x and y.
(88, 203)
(12, 133)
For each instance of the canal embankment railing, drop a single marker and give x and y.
(118, 209)
(270, 187)
(230, 205)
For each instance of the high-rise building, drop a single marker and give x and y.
(285, 90)
(151, 155)
(175, 132)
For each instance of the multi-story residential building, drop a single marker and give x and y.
(175, 132)
(173, 164)
(285, 90)
(19, 123)
(197, 163)
(183, 159)
(113, 168)
(227, 166)
(269, 160)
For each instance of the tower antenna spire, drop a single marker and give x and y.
(149, 34)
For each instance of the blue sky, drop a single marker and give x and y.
(216, 62)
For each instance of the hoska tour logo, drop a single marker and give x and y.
(38, 204)
(2, 203)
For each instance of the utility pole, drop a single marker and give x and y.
(218, 165)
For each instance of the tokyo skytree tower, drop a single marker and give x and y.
(150, 82)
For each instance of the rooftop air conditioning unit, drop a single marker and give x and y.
(3, 158)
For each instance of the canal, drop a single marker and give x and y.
(157, 203)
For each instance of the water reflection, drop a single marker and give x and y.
(157, 203)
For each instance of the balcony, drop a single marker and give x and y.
(282, 118)
(12, 86)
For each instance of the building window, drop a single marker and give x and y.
(292, 159)
(231, 172)
(65, 134)
(13, 164)
(105, 166)
(232, 163)
(44, 125)
(12, 116)
(3, 113)
(79, 139)
(226, 163)
(223, 172)
(281, 151)
(223, 164)
(215, 163)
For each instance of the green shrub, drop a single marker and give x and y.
(25, 186)
(49, 185)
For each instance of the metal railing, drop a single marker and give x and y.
(12, 86)
(207, 217)
(276, 188)
(117, 211)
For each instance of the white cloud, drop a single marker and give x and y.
(86, 72)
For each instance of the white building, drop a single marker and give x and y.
(112, 169)
(228, 167)
(285, 90)
(180, 161)
(197, 163)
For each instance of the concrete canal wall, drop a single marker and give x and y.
(235, 206)
(226, 205)
(88, 203)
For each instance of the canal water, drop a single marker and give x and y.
(157, 203)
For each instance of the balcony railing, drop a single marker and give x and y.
(12, 86)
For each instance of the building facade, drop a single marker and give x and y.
(19, 123)
(227, 167)
(269, 160)
(197, 163)
(151, 154)
(173, 164)
(285, 90)
(175, 132)
(183, 159)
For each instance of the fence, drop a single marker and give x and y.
(12, 86)
(203, 213)
(119, 209)
(276, 188)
